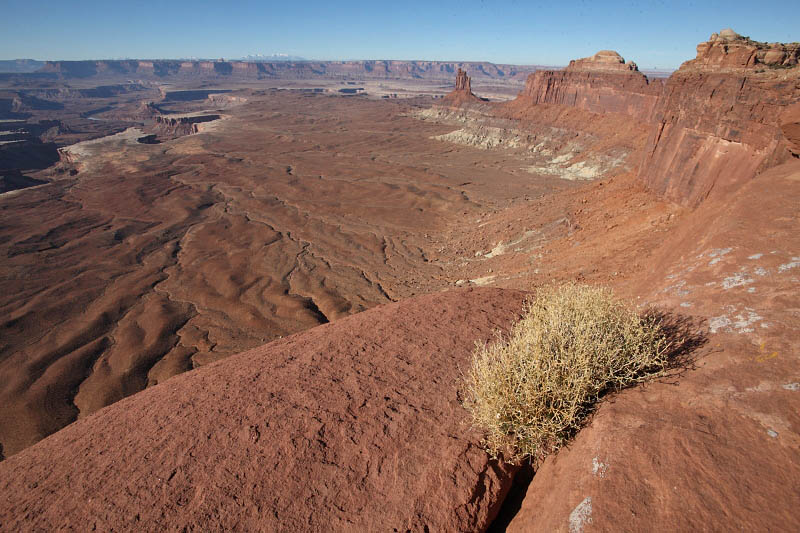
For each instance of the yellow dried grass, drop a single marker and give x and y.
(531, 390)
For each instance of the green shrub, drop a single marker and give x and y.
(531, 390)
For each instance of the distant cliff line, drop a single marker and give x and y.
(254, 70)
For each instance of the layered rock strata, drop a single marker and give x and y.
(718, 121)
(723, 118)
(603, 83)
(548, 118)
(372, 69)
(729, 50)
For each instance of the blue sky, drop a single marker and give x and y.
(654, 34)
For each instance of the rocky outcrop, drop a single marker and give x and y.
(463, 82)
(547, 118)
(728, 50)
(717, 122)
(718, 445)
(790, 126)
(602, 83)
(723, 118)
(627, 92)
(171, 127)
(603, 61)
(352, 426)
(462, 94)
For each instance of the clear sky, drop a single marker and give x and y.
(654, 34)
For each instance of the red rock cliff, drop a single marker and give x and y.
(723, 117)
(171, 127)
(603, 83)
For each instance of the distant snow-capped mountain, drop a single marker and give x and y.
(273, 57)
(20, 65)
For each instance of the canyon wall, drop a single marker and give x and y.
(171, 127)
(603, 83)
(379, 69)
(717, 122)
(723, 118)
(599, 92)
(571, 138)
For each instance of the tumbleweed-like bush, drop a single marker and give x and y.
(531, 390)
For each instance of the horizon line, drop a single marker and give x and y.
(305, 60)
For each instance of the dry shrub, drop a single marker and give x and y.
(530, 391)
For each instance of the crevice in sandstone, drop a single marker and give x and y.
(513, 500)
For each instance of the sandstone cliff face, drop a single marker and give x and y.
(171, 127)
(723, 118)
(602, 83)
(630, 93)
(714, 124)
(463, 82)
(790, 126)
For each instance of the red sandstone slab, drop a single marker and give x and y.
(351, 426)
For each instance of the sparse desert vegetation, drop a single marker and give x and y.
(532, 389)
